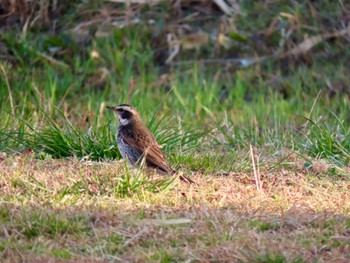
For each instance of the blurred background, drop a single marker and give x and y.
(206, 75)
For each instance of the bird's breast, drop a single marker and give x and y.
(127, 151)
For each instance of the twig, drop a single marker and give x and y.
(243, 62)
(228, 9)
(136, 237)
(256, 174)
(98, 240)
(314, 103)
(8, 88)
(304, 126)
(52, 60)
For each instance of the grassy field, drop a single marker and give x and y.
(268, 144)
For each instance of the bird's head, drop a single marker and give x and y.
(125, 113)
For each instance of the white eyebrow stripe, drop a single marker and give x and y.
(126, 108)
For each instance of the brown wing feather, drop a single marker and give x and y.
(152, 151)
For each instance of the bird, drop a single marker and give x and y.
(135, 142)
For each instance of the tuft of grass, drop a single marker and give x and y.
(324, 141)
(63, 254)
(66, 140)
(273, 258)
(131, 184)
(34, 224)
(60, 138)
(263, 226)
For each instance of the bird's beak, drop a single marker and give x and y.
(110, 107)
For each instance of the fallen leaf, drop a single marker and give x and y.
(310, 42)
(194, 41)
(26, 152)
(174, 47)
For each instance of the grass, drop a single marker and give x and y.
(66, 196)
(222, 216)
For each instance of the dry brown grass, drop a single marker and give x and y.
(298, 216)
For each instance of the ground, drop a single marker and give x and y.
(70, 210)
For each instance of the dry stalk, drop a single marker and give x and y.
(256, 172)
(9, 89)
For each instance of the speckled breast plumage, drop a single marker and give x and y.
(125, 150)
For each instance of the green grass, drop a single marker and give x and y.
(64, 193)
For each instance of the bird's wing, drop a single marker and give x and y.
(154, 156)
(152, 152)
